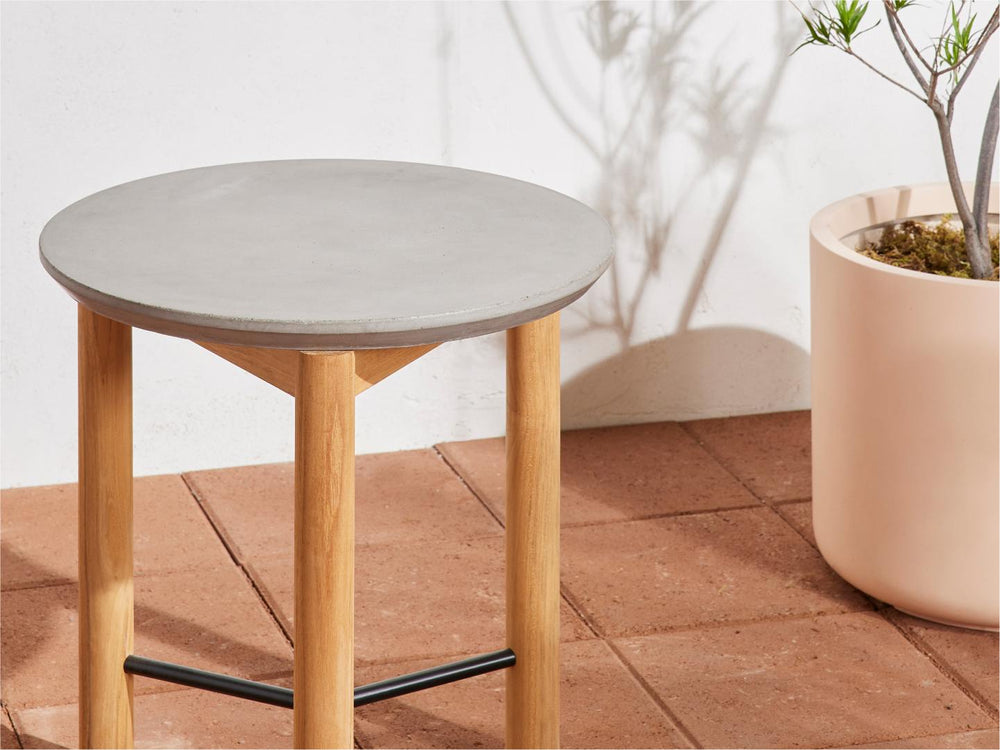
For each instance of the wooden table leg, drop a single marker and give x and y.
(105, 524)
(324, 551)
(532, 535)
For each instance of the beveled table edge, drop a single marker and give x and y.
(162, 321)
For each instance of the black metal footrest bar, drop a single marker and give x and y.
(217, 683)
(279, 696)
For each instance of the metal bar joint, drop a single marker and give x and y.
(280, 696)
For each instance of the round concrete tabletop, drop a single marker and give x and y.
(326, 254)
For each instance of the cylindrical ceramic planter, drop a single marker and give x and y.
(905, 449)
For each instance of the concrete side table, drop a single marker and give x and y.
(323, 277)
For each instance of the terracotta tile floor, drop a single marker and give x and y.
(696, 609)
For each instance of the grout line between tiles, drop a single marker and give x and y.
(841, 746)
(13, 726)
(719, 625)
(588, 621)
(942, 665)
(467, 486)
(563, 593)
(798, 531)
(42, 585)
(657, 516)
(909, 739)
(578, 610)
(609, 521)
(246, 574)
(949, 672)
(648, 689)
(780, 503)
(719, 461)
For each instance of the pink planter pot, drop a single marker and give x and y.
(905, 411)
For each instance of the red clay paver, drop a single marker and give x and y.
(689, 571)
(407, 496)
(416, 601)
(724, 606)
(40, 534)
(770, 453)
(181, 718)
(210, 619)
(818, 682)
(980, 738)
(973, 655)
(7, 736)
(38, 630)
(601, 705)
(799, 515)
(614, 473)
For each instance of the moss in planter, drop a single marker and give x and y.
(931, 248)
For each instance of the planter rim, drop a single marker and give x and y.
(820, 229)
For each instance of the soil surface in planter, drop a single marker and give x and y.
(937, 248)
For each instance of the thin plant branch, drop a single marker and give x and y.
(984, 169)
(957, 50)
(980, 46)
(932, 100)
(878, 72)
(898, 35)
(894, 16)
(941, 36)
(983, 36)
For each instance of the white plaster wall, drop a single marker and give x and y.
(95, 94)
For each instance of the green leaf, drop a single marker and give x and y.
(950, 51)
(848, 20)
(956, 43)
(819, 31)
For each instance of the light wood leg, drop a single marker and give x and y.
(532, 536)
(105, 525)
(324, 551)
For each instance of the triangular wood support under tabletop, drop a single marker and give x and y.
(280, 367)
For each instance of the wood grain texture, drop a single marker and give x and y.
(280, 367)
(105, 528)
(324, 551)
(532, 534)
(374, 365)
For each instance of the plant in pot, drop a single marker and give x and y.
(906, 477)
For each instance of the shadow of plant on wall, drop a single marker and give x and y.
(649, 101)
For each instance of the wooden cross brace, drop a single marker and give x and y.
(280, 367)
